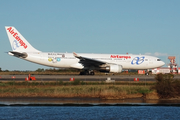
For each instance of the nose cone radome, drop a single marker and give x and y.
(162, 63)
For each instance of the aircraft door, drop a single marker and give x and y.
(41, 56)
(147, 62)
(150, 61)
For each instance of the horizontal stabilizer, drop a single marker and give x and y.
(18, 54)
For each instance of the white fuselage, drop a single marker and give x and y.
(68, 60)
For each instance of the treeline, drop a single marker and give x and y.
(56, 71)
(43, 70)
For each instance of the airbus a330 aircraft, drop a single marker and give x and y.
(114, 63)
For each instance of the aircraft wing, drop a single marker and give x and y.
(89, 61)
(18, 54)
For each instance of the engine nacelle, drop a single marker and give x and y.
(112, 68)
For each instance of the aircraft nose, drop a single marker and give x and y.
(163, 63)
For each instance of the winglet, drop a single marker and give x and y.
(75, 55)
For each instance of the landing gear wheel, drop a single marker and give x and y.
(147, 73)
(81, 73)
(86, 72)
(91, 73)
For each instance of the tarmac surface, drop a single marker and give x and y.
(81, 77)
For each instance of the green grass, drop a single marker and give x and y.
(49, 89)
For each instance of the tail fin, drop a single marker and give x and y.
(18, 42)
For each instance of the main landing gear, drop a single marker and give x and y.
(147, 72)
(87, 72)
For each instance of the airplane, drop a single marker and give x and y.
(88, 63)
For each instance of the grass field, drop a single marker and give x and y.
(165, 87)
(119, 90)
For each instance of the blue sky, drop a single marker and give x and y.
(91, 26)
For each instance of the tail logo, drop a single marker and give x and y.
(137, 60)
(15, 45)
(17, 38)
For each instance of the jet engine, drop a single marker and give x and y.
(111, 68)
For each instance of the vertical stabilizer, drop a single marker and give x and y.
(18, 42)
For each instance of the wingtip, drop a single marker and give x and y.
(75, 54)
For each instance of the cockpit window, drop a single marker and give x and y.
(158, 59)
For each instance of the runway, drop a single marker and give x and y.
(81, 77)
